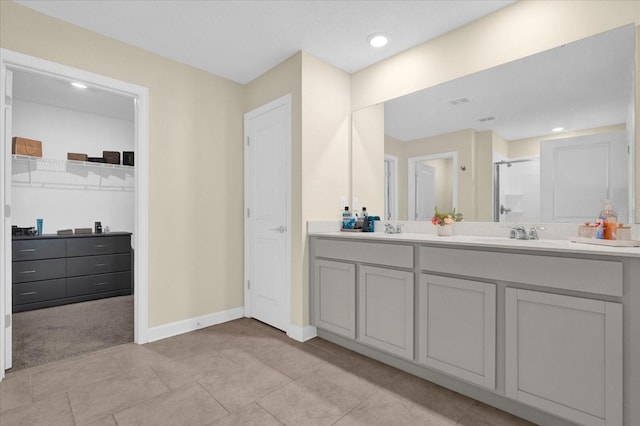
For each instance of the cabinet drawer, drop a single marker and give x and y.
(592, 276)
(37, 270)
(38, 249)
(90, 265)
(38, 291)
(79, 286)
(397, 255)
(98, 245)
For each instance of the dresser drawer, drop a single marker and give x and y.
(38, 249)
(37, 270)
(79, 286)
(397, 255)
(90, 265)
(39, 291)
(98, 245)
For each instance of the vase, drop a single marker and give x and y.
(444, 230)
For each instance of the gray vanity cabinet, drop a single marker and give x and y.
(564, 355)
(335, 297)
(457, 328)
(385, 310)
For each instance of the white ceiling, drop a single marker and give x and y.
(240, 40)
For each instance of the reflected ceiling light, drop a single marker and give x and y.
(378, 40)
(79, 85)
(557, 129)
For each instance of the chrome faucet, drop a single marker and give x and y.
(390, 229)
(533, 232)
(520, 233)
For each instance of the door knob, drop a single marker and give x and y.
(281, 229)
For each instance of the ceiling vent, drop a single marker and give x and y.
(482, 120)
(462, 100)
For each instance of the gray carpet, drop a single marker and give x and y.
(51, 334)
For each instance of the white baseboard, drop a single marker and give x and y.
(301, 334)
(185, 326)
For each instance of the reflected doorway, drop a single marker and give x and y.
(432, 182)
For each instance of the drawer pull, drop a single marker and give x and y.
(99, 245)
(97, 284)
(27, 272)
(101, 265)
(29, 293)
(23, 250)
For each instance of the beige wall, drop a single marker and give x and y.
(326, 163)
(368, 141)
(320, 152)
(195, 161)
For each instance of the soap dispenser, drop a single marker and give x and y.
(609, 219)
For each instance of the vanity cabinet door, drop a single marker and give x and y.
(385, 310)
(457, 328)
(335, 297)
(564, 355)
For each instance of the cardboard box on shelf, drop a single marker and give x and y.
(24, 146)
(111, 157)
(77, 156)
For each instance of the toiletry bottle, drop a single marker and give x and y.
(609, 219)
(599, 230)
(346, 216)
(365, 220)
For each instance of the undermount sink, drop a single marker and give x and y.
(512, 241)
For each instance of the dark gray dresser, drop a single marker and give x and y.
(51, 270)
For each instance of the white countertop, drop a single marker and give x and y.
(545, 245)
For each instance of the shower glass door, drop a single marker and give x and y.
(517, 191)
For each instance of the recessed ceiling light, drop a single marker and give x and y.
(378, 40)
(557, 129)
(79, 85)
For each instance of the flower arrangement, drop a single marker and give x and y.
(442, 219)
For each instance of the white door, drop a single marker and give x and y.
(577, 173)
(267, 221)
(425, 195)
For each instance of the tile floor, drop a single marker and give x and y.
(238, 373)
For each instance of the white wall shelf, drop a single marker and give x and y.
(49, 172)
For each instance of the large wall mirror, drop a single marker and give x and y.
(542, 139)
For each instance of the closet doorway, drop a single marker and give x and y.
(105, 115)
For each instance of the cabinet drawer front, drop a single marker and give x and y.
(37, 270)
(397, 255)
(98, 245)
(592, 276)
(38, 291)
(79, 286)
(91, 265)
(38, 249)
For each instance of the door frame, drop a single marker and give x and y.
(392, 187)
(411, 172)
(14, 60)
(279, 102)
